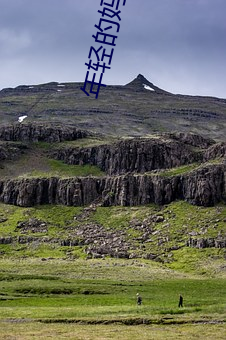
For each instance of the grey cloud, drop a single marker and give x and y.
(178, 44)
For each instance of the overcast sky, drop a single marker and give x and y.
(179, 45)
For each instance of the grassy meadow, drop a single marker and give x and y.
(52, 291)
(96, 299)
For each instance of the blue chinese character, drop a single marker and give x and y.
(112, 3)
(92, 84)
(105, 36)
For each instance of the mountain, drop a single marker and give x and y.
(100, 199)
(138, 108)
(140, 83)
(102, 177)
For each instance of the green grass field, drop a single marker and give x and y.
(96, 299)
(38, 331)
(52, 291)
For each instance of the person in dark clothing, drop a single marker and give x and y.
(139, 299)
(180, 301)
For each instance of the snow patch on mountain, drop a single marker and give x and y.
(21, 118)
(148, 87)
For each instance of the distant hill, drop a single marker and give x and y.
(138, 108)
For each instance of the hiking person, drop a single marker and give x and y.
(180, 301)
(139, 299)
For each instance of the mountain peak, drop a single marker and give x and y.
(141, 77)
(140, 83)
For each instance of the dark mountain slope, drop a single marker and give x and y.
(130, 110)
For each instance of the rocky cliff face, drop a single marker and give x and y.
(191, 139)
(215, 151)
(36, 133)
(11, 151)
(205, 187)
(125, 163)
(131, 155)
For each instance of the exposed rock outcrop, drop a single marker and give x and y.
(37, 132)
(215, 151)
(205, 186)
(32, 225)
(201, 243)
(191, 139)
(11, 151)
(125, 162)
(131, 155)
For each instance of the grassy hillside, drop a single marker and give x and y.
(179, 221)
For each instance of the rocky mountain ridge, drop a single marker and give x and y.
(138, 108)
(134, 168)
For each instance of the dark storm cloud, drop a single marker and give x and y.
(177, 44)
(180, 44)
(50, 24)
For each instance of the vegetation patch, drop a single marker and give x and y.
(61, 169)
(41, 291)
(180, 170)
(159, 233)
(37, 163)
